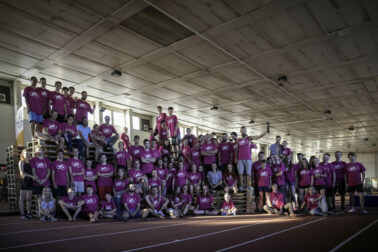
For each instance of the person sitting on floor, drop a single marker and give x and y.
(71, 205)
(47, 205)
(108, 207)
(276, 203)
(131, 203)
(156, 204)
(90, 206)
(205, 203)
(316, 203)
(228, 207)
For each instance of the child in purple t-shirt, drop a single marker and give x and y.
(108, 207)
(90, 205)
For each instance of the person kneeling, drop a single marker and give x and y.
(108, 207)
(156, 204)
(71, 205)
(228, 207)
(276, 203)
(316, 203)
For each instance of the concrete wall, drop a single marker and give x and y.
(7, 124)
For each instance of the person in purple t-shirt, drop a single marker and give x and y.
(45, 98)
(91, 203)
(276, 203)
(34, 103)
(41, 171)
(83, 107)
(243, 156)
(147, 157)
(71, 205)
(160, 118)
(205, 203)
(52, 130)
(58, 102)
(173, 130)
(108, 130)
(71, 135)
(340, 181)
(155, 204)
(191, 138)
(76, 169)
(60, 176)
(209, 151)
(290, 179)
(225, 152)
(330, 180)
(355, 177)
(105, 174)
(131, 202)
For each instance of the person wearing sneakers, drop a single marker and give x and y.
(155, 204)
(47, 205)
(276, 203)
(354, 177)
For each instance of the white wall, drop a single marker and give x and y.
(7, 124)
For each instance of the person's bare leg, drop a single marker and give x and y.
(28, 201)
(241, 177)
(21, 201)
(66, 212)
(32, 128)
(78, 210)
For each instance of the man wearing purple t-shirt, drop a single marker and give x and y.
(225, 152)
(83, 107)
(107, 130)
(34, 103)
(76, 171)
(191, 138)
(243, 155)
(340, 181)
(52, 130)
(173, 130)
(330, 180)
(41, 171)
(58, 102)
(45, 98)
(71, 135)
(209, 151)
(354, 177)
(60, 176)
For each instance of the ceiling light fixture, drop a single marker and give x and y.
(252, 121)
(327, 112)
(214, 107)
(366, 139)
(351, 128)
(281, 79)
(116, 73)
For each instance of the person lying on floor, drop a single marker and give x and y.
(276, 203)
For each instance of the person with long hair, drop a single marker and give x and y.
(27, 178)
(120, 185)
(318, 177)
(47, 206)
(205, 203)
(228, 207)
(230, 180)
(304, 179)
(194, 179)
(165, 148)
(291, 180)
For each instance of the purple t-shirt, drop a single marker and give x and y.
(135, 175)
(195, 156)
(71, 128)
(339, 170)
(108, 206)
(353, 172)
(41, 167)
(147, 167)
(244, 151)
(276, 168)
(131, 199)
(230, 180)
(90, 173)
(161, 117)
(122, 157)
(107, 130)
(90, 203)
(52, 127)
(45, 98)
(163, 134)
(70, 202)
(304, 177)
(255, 168)
(318, 181)
(277, 200)
(194, 177)
(186, 199)
(82, 109)
(120, 184)
(158, 202)
(35, 99)
(205, 201)
(209, 147)
(104, 181)
(61, 170)
(77, 166)
(263, 176)
(171, 122)
(58, 101)
(154, 182)
(162, 172)
(225, 149)
(290, 173)
(328, 169)
(135, 150)
(70, 105)
(181, 177)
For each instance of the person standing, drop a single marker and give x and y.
(45, 98)
(125, 138)
(276, 148)
(58, 102)
(83, 108)
(27, 178)
(340, 180)
(173, 130)
(34, 103)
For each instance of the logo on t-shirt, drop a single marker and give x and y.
(264, 173)
(204, 200)
(131, 200)
(34, 94)
(41, 165)
(352, 168)
(104, 169)
(58, 97)
(61, 167)
(82, 105)
(91, 201)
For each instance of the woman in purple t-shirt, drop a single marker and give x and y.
(205, 203)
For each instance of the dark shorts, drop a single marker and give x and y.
(319, 187)
(304, 187)
(60, 191)
(291, 183)
(355, 188)
(137, 215)
(263, 189)
(37, 190)
(329, 191)
(256, 189)
(340, 188)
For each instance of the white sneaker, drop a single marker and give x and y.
(363, 211)
(53, 219)
(353, 210)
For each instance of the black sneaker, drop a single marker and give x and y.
(24, 217)
(29, 216)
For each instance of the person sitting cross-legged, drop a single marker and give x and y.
(71, 205)
(276, 203)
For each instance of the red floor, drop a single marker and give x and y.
(238, 233)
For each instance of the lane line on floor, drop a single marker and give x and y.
(353, 236)
(200, 236)
(269, 235)
(104, 234)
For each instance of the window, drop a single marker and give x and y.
(182, 132)
(91, 117)
(23, 99)
(119, 118)
(136, 123)
(106, 113)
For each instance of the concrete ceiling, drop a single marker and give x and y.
(195, 54)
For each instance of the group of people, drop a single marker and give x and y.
(167, 175)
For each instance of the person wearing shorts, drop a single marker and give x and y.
(60, 177)
(264, 183)
(243, 156)
(276, 203)
(71, 205)
(131, 203)
(76, 170)
(340, 180)
(173, 130)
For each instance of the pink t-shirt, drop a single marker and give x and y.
(190, 138)
(35, 99)
(82, 109)
(90, 203)
(339, 170)
(61, 171)
(70, 105)
(135, 175)
(120, 184)
(194, 177)
(41, 167)
(51, 126)
(328, 169)
(263, 176)
(45, 98)
(304, 177)
(158, 202)
(207, 160)
(76, 166)
(163, 151)
(318, 181)
(290, 173)
(125, 139)
(255, 167)
(90, 173)
(277, 199)
(154, 182)
(58, 101)
(228, 205)
(71, 128)
(70, 202)
(186, 199)
(104, 181)
(162, 172)
(244, 151)
(107, 130)
(225, 149)
(122, 157)
(171, 122)
(135, 150)
(161, 117)
(205, 201)
(286, 151)
(195, 156)
(185, 152)
(163, 134)
(353, 172)
(311, 201)
(147, 167)
(131, 199)
(276, 168)
(230, 180)
(181, 177)
(108, 206)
